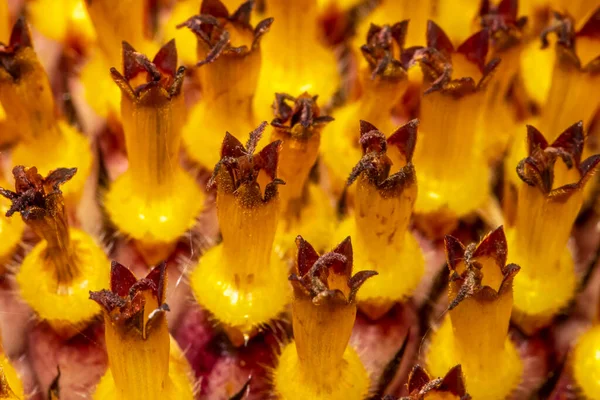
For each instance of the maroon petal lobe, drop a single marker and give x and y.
(417, 379)
(535, 140)
(455, 251)
(268, 157)
(345, 249)
(437, 38)
(366, 127)
(158, 275)
(232, 147)
(215, 8)
(475, 48)
(509, 8)
(121, 279)
(166, 58)
(242, 14)
(405, 138)
(454, 382)
(20, 35)
(571, 141)
(592, 27)
(307, 256)
(493, 245)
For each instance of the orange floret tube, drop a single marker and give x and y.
(386, 190)
(155, 201)
(475, 333)
(230, 53)
(241, 281)
(57, 274)
(305, 207)
(447, 156)
(553, 178)
(382, 82)
(26, 98)
(144, 363)
(318, 364)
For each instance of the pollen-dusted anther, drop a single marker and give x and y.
(553, 178)
(294, 58)
(448, 155)
(382, 82)
(319, 364)
(475, 334)
(421, 386)
(229, 57)
(386, 190)
(56, 275)
(155, 201)
(144, 363)
(299, 125)
(31, 118)
(240, 280)
(497, 119)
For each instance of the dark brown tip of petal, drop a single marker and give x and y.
(261, 28)
(509, 273)
(475, 48)
(20, 35)
(271, 189)
(454, 382)
(215, 8)
(455, 251)
(232, 147)
(571, 141)
(417, 379)
(592, 26)
(243, 13)
(121, 279)
(405, 138)
(588, 168)
(166, 58)
(535, 140)
(358, 280)
(158, 275)
(437, 38)
(493, 245)
(59, 176)
(303, 111)
(268, 158)
(307, 256)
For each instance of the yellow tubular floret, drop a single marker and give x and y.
(62, 20)
(447, 155)
(143, 361)
(305, 208)
(475, 334)
(550, 186)
(240, 281)
(155, 201)
(383, 81)
(294, 60)
(27, 100)
(319, 365)
(230, 57)
(56, 276)
(386, 190)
